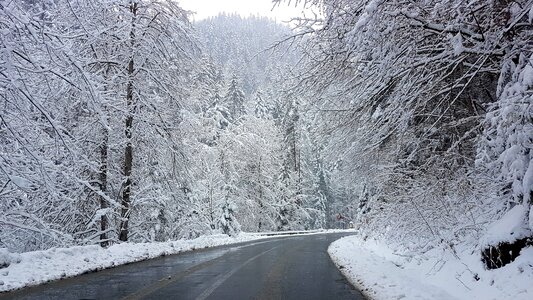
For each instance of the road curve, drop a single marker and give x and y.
(296, 267)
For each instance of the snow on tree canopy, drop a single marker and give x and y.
(507, 149)
(21, 182)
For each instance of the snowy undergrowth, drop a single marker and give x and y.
(37, 267)
(383, 273)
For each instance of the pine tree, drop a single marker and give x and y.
(234, 100)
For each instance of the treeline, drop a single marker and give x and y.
(428, 105)
(119, 124)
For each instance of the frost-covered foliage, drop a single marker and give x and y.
(427, 111)
(260, 140)
(81, 83)
(507, 145)
(116, 125)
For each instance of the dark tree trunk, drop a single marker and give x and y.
(103, 188)
(128, 153)
(260, 194)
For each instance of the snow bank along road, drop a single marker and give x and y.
(296, 267)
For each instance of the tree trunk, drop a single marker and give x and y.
(260, 184)
(211, 210)
(103, 188)
(128, 153)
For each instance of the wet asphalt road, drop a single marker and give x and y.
(296, 267)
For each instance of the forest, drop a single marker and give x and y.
(123, 121)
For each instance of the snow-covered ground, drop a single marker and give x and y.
(382, 273)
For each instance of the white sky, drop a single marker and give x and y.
(209, 8)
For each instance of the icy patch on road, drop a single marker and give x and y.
(382, 273)
(37, 267)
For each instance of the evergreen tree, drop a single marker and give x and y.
(235, 99)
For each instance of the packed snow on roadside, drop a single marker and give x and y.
(37, 267)
(382, 273)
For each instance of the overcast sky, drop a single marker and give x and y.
(208, 8)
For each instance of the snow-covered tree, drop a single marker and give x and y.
(77, 83)
(235, 100)
(404, 88)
